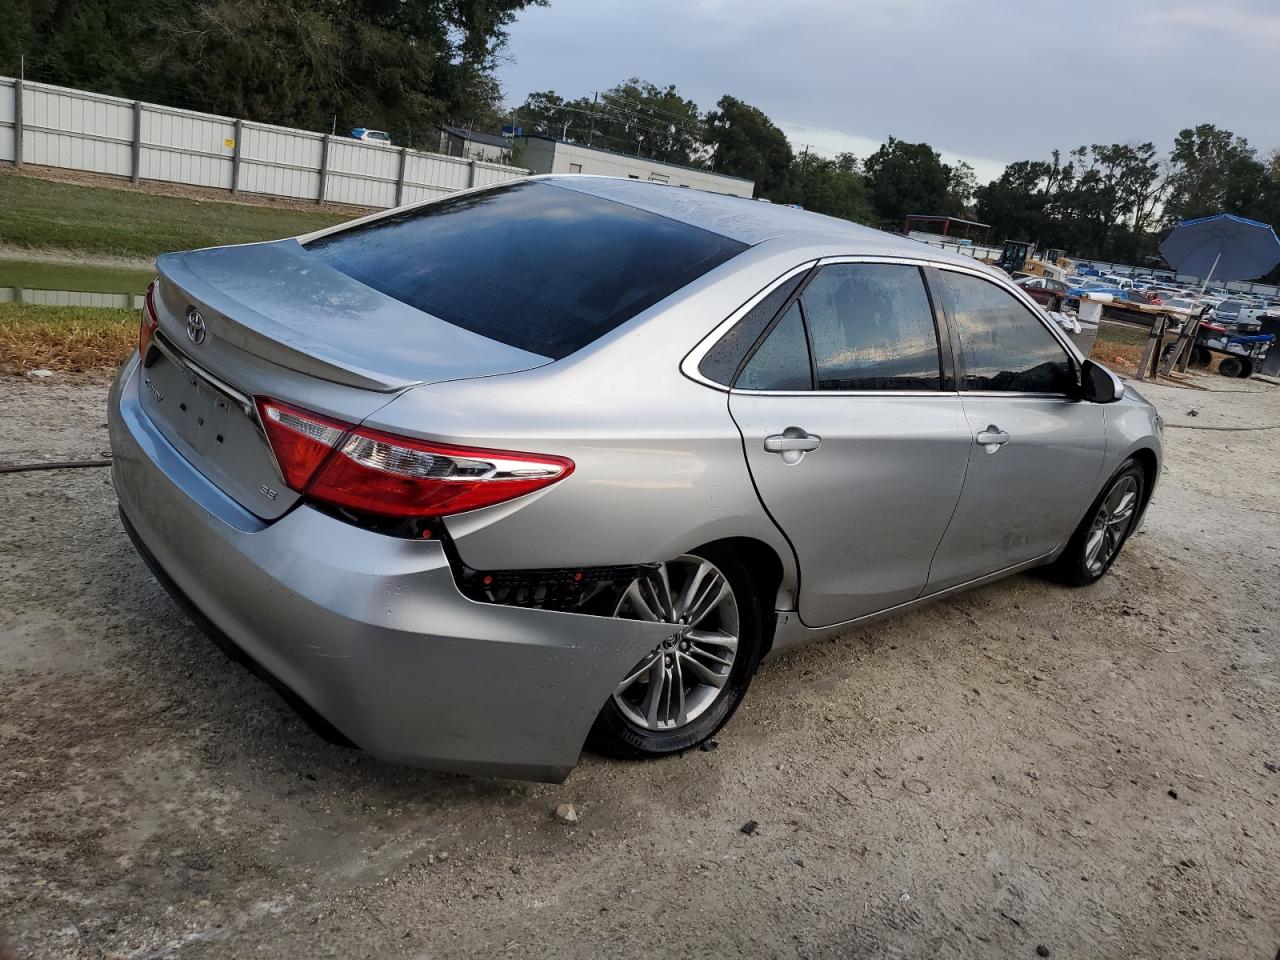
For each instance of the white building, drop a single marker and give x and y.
(544, 155)
(474, 145)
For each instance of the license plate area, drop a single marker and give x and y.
(210, 429)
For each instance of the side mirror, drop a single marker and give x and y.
(1098, 384)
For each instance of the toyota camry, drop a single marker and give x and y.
(482, 480)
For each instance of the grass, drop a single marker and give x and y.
(51, 215)
(64, 339)
(1120, 345)
(46, 275)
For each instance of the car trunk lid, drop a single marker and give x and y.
(266, 320)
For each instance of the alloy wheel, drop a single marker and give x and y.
(1110, 524)
(678, 680)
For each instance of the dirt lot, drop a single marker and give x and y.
(1095, 773)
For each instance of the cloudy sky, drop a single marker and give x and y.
(985, 81)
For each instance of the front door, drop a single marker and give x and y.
(857, 450)
(1037, 449)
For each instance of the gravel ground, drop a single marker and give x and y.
(1017, 770)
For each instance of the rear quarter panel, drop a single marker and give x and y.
(659, 465)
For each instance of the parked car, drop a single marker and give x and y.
(567, 456)
(377, 137)
(1227, 311)
(1045, 291)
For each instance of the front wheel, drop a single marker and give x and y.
(687, 687)
(1096, 543)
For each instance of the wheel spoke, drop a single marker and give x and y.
(657, 686)
(677, 682)
(641, 669)
(703, 672)
(662, 591)
(1094, 543)
(690, 588)
(639, 604)
(715, 590)
(716, 637)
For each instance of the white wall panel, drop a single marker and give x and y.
(86, 131)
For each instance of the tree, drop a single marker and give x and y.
(635, 117)
(962, 186)
(1213, 170)
(745, 143)
(834, 187)
(398, 66)
(905, 178)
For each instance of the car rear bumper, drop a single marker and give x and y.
(371, 631)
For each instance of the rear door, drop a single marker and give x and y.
(1037, 450)
(854, 435)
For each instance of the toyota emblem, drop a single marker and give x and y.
(196, 328)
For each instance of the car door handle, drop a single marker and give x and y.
(792, 443)
(992, 438)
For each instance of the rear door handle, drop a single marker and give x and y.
(992, 438)
(792, 443)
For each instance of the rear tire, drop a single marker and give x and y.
(1230, 366)
(1246, 368)
(633, 726)
(1106, 526)
(1200, 357)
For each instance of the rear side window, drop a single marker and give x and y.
(872, 327)
(531, 265)
(782, 361)
(722, 361)
(1004, 345)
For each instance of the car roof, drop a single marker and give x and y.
(754, 221)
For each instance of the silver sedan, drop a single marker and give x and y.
(481, 480)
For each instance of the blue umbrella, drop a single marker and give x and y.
(1224, 245)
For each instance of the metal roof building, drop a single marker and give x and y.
(545, 155)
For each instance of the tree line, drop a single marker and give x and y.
(1101, 201)
(643, 119)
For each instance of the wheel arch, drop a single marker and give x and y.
(766, 570)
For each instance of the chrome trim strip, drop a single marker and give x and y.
(844, 393)
(243, 401)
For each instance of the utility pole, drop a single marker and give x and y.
(595, 105)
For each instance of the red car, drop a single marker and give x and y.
(1044, 291)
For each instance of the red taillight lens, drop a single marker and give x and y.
(148, 322)
(383, 473)
(300, 439)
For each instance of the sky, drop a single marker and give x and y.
(983, 81)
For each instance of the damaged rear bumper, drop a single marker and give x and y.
(371, 631)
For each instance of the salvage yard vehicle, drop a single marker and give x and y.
(563, 458)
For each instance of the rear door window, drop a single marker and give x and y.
(872, 328)
(532, 265)
(1004, 345)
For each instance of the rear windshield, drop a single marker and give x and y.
(532, 265)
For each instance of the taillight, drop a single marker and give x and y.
(148, 322)
(390, 475)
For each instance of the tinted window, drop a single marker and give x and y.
(721, 362)
(532, 265)
(1004, 345)
(782, 361)
(872, 328)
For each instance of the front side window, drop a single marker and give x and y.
(872, 328)
(1004, 345)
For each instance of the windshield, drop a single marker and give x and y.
(530, 264)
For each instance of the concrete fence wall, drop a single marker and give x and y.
(60, 127)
